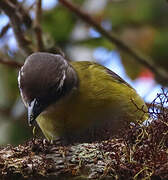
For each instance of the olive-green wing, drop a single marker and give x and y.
(117, 77)
(84, 65)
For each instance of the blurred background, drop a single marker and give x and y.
(142, 24)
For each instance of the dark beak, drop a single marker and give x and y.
(34, 109)
(31, 113)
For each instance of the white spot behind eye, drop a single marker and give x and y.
(62, 80)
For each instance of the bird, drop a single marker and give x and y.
(77, 101)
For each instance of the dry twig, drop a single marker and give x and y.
(15, 21)
(37, 26)
(4, 30)
(11, 63)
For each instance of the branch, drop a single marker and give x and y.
(110, 159)
(38, 159)
(22, 13)
(37, 26)
(16, 23)
(5, 111)
(4, 30)
(160, 73)
(11, 63)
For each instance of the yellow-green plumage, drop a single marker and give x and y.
(101, 100)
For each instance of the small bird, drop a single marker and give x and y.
(77, 101)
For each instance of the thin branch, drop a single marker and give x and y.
(16, 23)
(11, 63)
(22, 13)
(31, 6)
(160, 73)
(37, 26)
(4, 30)
(5, 111)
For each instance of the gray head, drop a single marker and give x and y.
(44, 79)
